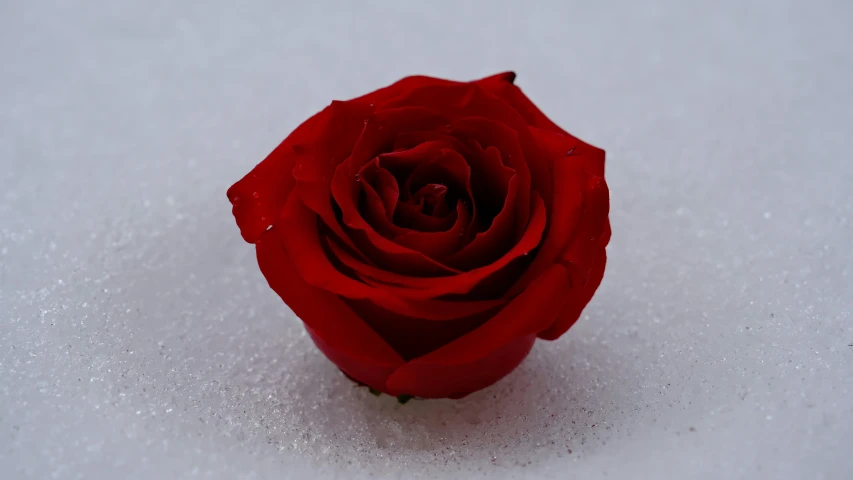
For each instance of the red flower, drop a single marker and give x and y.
(427, 233)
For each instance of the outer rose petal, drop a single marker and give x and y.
(401, 87)
(412, 336)
(373, 375)
(457, 381)
(568, 180)
(468, 364)
(356, 348)
(578, 299)
(575, 162)
(260, 195)
(501, 85)
(585, 257)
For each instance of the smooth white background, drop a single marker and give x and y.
(139, 340)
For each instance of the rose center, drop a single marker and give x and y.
(432, 199)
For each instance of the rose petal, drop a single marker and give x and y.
(259, 196)
(375, 211)
(585, 256)
(412, 335)
(457, 365)
(594, 225)
(436, 245)
(414, 140)
(491, 244)
(502, 183)
(379, 277)
(313, 178)
(386, 253)
(393, 257)
(368, 373)
(570, 177)
(384, 126)
(504, 77)
(469, 100)
(410, 217)
(489, 133)
(402, 162)
(441, 164)
(303, 246)
(449, 99)
(489, 180)
(383, 183)
(346, 339)
(458, 381)
(430, 196)
(501, 85)
(417, 287)
(400, 87)
(578, 298)
(448, 168)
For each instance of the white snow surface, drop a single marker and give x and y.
(139, 340)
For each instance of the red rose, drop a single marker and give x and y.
(428, 232)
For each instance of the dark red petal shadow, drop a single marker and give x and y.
(491, 244)
(413, 287)
(304, 248)
(459, 367)
(489, 133)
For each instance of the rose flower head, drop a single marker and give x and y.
(428, 232)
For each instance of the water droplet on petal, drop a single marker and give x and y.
(255, 195)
